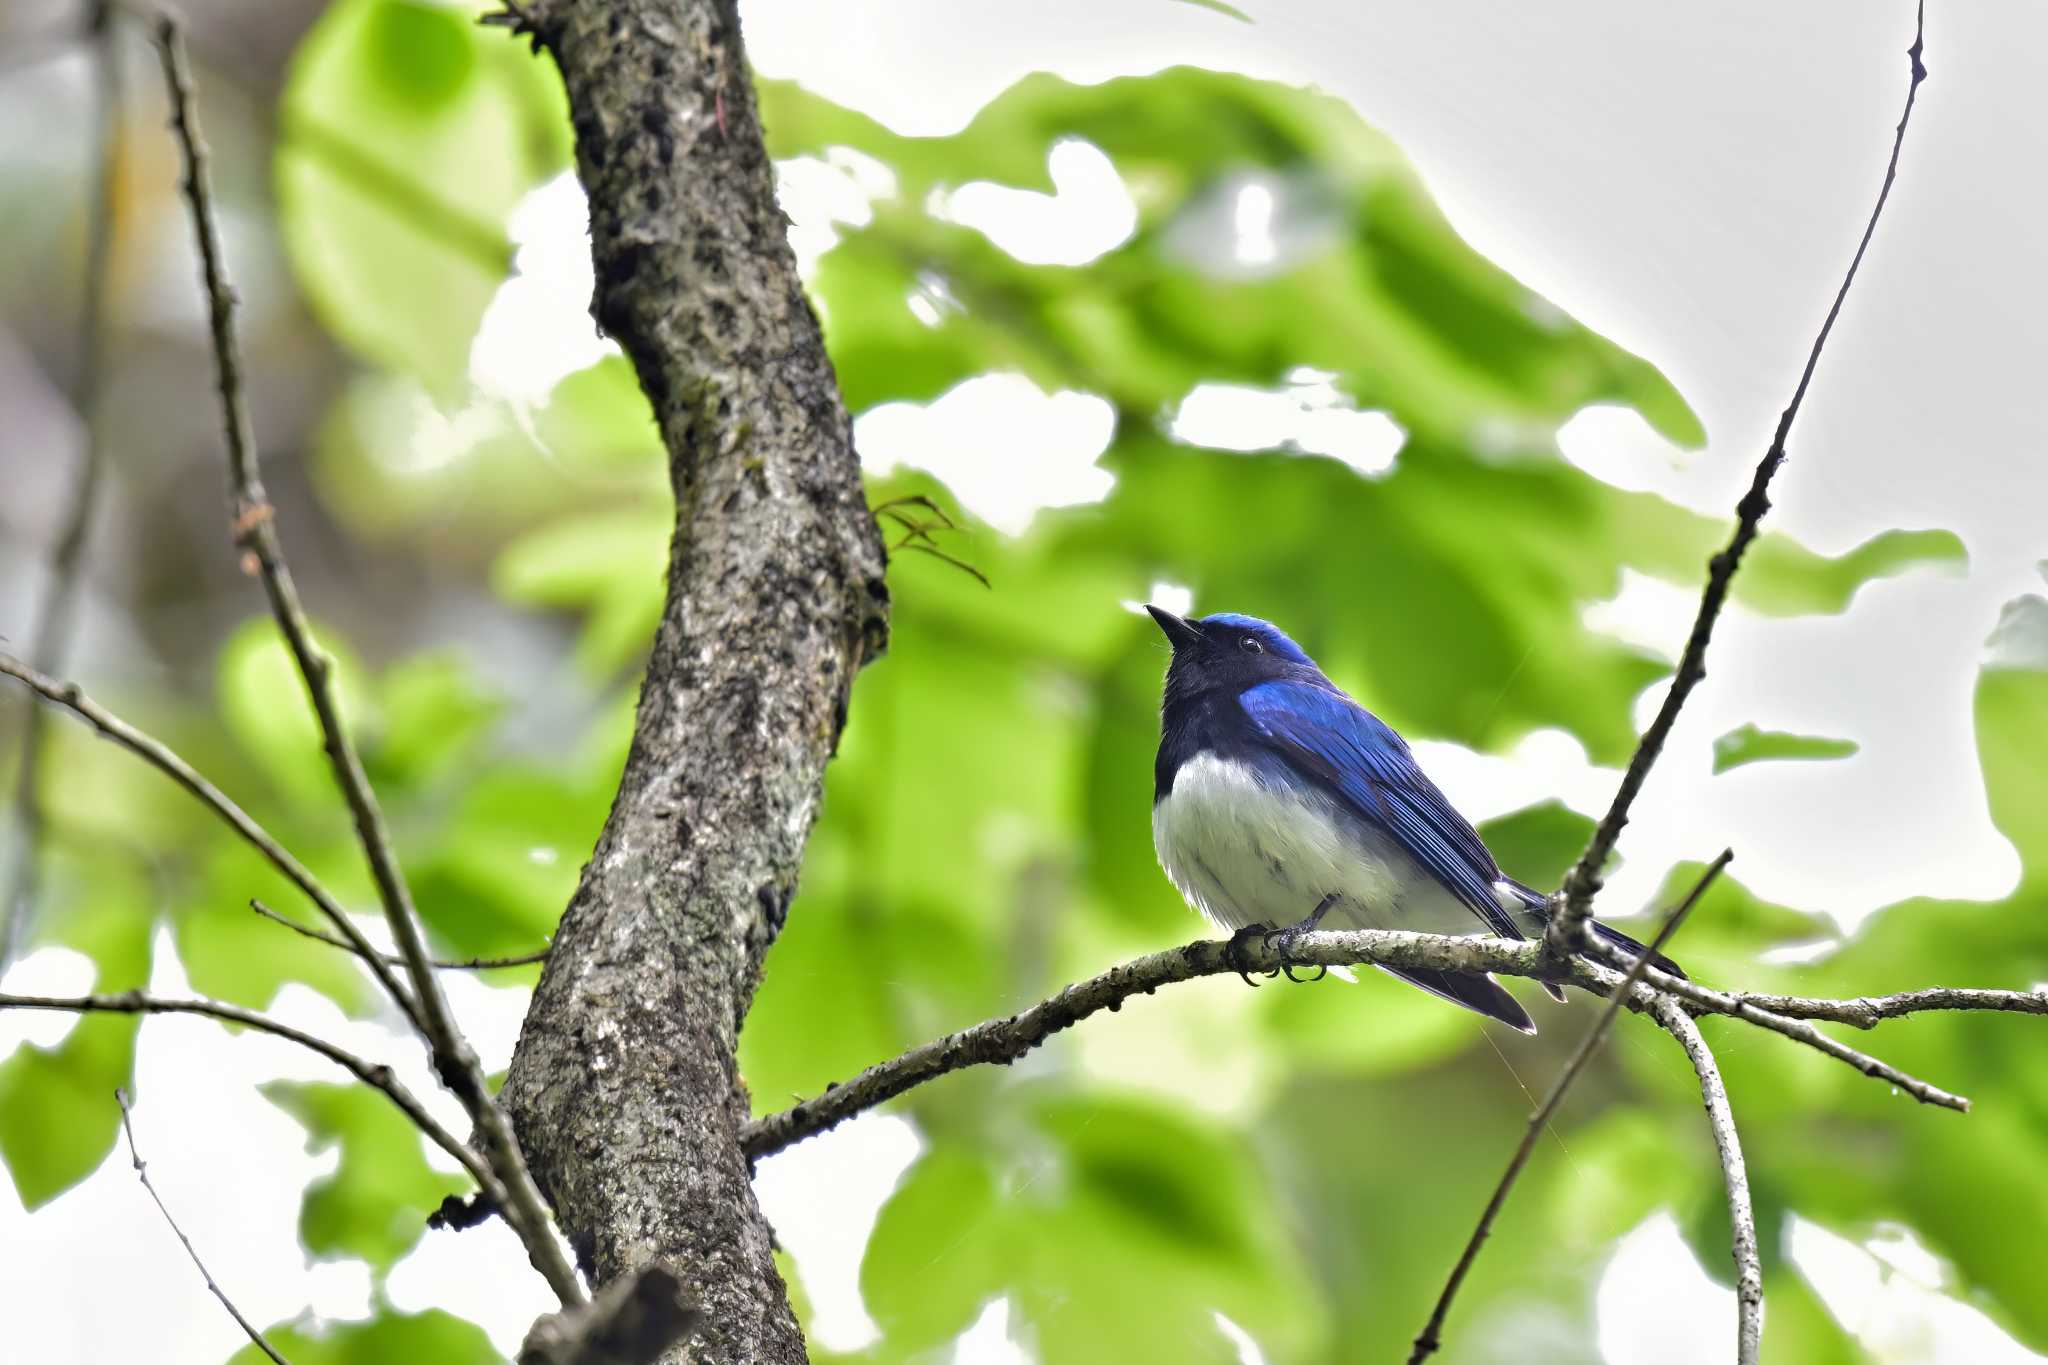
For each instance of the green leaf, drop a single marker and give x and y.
(1779, 577)
(935, 1256)
(57, 1111)
(1220, 8)
(389, 1337)
(1626, 1163)
(1783, 579)
(1747, 744)
(1386, 1177)
(1384, 294)
(1498, 547)
(1801, 1330)
(1732, 923)
(435, 711)
(1486, 639)
(108, 909)
(1117, 832)
(454, 486)
(1326, 1028)
(1117, 1229)
(231, 953)
(849, 987)
(600, 418)
(1538, 844)
(496, 878)
(376, 1202)
(1709, 1233)
(2012, 742)
(409, 136)
(608, 564)
(58, 1118)
(99, 796)
(264, 703)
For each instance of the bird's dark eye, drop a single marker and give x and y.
(1251, 646)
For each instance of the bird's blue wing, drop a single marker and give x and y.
(1350, 753)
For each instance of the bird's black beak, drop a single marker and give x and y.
(1182, 633)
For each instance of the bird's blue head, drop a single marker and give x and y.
(1228, 653)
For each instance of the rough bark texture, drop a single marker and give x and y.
(624, 1086)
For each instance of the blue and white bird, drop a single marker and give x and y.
(1280, 804)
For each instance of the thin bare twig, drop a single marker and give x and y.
(58, 615)
(1007, 1038)
(1707, 1000)
(468, 964)
(1567, 932)
(1749, 1270)
(164, 760)
(373, 1074)
(1431, 1337)
(1867, 1012)
(142, 1173)
(255, 532)
(918, 533)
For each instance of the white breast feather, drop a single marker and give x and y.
(1246, 853)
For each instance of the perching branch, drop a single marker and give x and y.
(1430, 1338)
(57, 617)
(467, 964)
(1749, 1271)
(1567, 932)
(1006, 1039)
(373, 1074)
(141, 1173)
(164, 760)
(255, 534)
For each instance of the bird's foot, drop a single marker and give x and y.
(1281, 942)
(1234, 951)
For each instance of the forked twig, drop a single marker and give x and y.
(1430, 1338)
(255, 534)
(467, 964)
(142, 1174)
(1567, 931)
(918, 534)
(1707, 1000)
(166, 761)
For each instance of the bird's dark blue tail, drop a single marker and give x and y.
(1488, 997)
(1480, 993)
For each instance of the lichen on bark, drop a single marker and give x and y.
(624, 1086)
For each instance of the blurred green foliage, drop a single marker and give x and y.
(380, 1340)
(1304, 1162)
(374, 1205)
(1747, 744)
(409, 135)
(58, 1115)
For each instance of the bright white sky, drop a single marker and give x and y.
(1688, 180)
